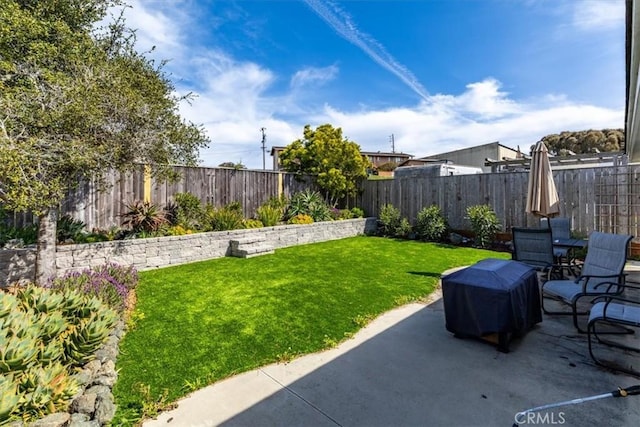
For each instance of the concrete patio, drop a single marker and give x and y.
(405, 369)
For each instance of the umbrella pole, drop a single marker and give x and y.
(620, 392)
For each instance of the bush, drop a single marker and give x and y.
(226, 218)
(484, 223)
(24, 235)
(144, 217)
(310, 203)
(68, 228)
(252, 223)
(269, 215)
(187, 212)
(391, 224)
(111, 283)
(431, 224)
(301, 219)
(357, 213)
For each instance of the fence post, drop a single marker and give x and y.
(147, 184)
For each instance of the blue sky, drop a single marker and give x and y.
(439, 75)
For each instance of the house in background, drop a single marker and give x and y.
(472, 156)
(377, 158)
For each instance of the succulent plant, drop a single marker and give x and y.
(50, 325)
(18, 353)
(8, 303)
(83, 340)
(39, 299)
(9, 397)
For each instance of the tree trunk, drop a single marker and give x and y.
(46, 253)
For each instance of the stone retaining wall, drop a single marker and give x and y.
(146, 254)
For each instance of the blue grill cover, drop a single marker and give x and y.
(492, 296)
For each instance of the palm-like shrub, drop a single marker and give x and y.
(144, 217)
(431, 224)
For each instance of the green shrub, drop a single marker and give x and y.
(391, 223)
(484, 223)
(225, 219)
(189, 211)
(144, 217)
(357, 213)
(388, 167)
(269, 215)
(68, 228)
(281, 202)
(310, 203)
(431, 224)
(252, 223)
(111, 283)
(301, 219)
(27, 235)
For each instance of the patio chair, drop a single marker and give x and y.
(560, 229)
(620, 313)
(602, 275)
(534, 247)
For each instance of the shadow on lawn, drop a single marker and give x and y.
(425, 273)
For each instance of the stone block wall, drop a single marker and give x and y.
(145, 254)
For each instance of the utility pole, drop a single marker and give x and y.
(393, 143)
(264, 148)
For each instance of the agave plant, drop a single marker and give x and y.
(39, 299)
(83, 340)
(8, 304)
(18, 353)
(9, 397)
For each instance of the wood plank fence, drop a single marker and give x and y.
(599, 198)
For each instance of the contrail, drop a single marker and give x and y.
(341, 22)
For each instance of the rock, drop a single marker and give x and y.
(85, 404)
(93, 366)
(100, 390)
(107, 353)
(104, 380)
(59, 419)
(105, 410)
(108, 369)
(79, 418)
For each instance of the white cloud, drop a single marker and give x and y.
(595, 15)
(313, 75)
(236, 98)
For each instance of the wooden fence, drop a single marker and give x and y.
(601, 198)
(216, 186)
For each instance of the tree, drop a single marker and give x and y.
(232, 165)
(334, 162)
(75, 103)
(586, 141)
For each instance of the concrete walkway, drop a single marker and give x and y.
(405, 369)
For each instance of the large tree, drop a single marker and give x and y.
(334, 162)
(75, 103)
(586, 141)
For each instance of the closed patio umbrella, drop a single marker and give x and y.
(542, 196)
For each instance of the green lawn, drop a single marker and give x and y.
(205, 321)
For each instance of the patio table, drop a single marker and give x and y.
(492, 297)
